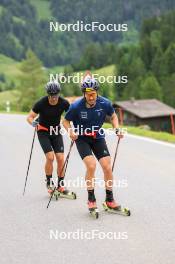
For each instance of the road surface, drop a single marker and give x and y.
(30, 233)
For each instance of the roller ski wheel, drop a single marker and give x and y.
(50, 190)
(93, 210)
(113, 207)
(64, 193)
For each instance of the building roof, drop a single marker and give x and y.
(146, 108)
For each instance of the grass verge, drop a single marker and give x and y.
(162, 136)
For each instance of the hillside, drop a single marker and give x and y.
(24, 24)
(42, 8)
(9, 67)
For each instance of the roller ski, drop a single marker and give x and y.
(51, 189)
(113, 207)
(93, 210)
(64, 193)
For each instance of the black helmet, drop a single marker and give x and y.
(53, 88)
(89, 84)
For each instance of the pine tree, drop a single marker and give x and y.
(170, 58)
(31, 81)
(169, 90)
(150, 89)
(158, 65)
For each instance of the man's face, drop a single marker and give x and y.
(53, 99)
(91, 97)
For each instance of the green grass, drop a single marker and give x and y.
(56, 70)
(9, 67)
(19, 20)
(13, 113)
(43, 8)
(11, 96)
(163, 136)
(105, 71)
(1, 9)
(11, 70)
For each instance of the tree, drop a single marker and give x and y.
(169, 90)
(92, 57)
(31, 81)
(150, 88)
(170, 58)
(158, 65)
(146, 52)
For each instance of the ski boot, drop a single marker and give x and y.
(93, 210)
(113, 207)
(64, 193)
(51, 188)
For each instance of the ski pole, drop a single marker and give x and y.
(29, 161)
(64, 166)
(116, 151)
(68, 158)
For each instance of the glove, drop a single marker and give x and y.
(117, 131)
(35, 123)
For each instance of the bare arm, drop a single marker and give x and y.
(69, 129)
(31, 116)
(114, 120)
(115, 124)
(66, 124)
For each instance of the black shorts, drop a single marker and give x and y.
(50, 142)
(87, 146)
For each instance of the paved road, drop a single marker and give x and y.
(148, 236)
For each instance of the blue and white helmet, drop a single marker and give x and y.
(89, 84)
(53, 88)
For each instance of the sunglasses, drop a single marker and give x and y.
(54, 96)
